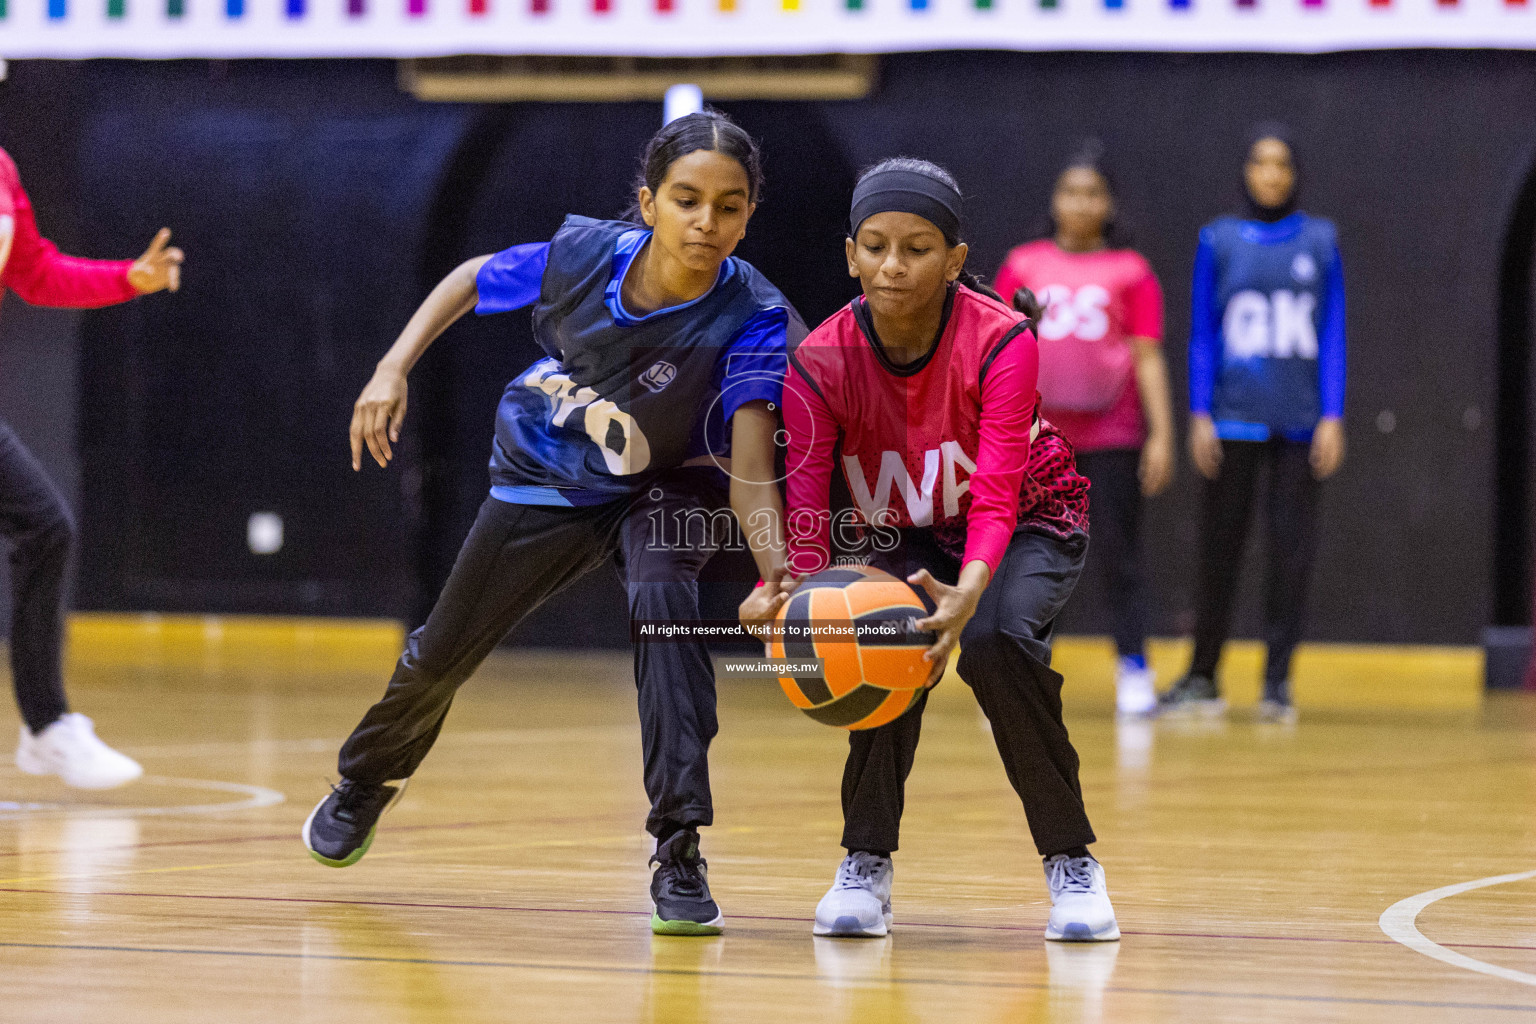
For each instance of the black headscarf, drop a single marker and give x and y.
(1272, 130)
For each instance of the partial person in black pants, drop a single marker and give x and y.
(1266, 394)
(34, 517)
(1285, 470)
(1115, 500)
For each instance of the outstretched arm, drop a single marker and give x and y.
(36, 270)
(380, 409)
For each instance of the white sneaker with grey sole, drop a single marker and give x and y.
(859, 903)
(69, 749)
(1080, 907)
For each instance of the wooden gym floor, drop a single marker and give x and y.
(1322, 873)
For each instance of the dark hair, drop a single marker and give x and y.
(1090, 157)
(1025, 302)
(929, 169)
(710, 131)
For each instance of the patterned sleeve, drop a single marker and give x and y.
(511, 279)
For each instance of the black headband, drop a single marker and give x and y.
(897, 191)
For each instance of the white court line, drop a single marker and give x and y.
(1398, 921)
(254, 797)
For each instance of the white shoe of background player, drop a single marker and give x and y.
(69, 749)
(859, 903)
(1080, 907)
(1135, 691)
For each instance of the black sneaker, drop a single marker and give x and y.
(1192, 695)
(1276, 705)
(340, 829)
(680, 889)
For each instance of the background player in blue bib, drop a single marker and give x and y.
(1266, 397)
(665, 359)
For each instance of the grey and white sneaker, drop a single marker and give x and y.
(1276, 707)
(859, 903)
(1080, 907)
(1192, 696)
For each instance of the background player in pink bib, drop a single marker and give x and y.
(1104, 383)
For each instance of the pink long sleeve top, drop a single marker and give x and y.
(39, 273)
(950, 443)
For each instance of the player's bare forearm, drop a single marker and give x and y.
(379, 411)
(1157, 458)
(454, 296)
(754, 492)
(1152, 386)
(761, 513)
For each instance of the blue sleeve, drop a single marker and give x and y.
(1204, 329)
(511, 279)
(753, 368)
(1330, 346)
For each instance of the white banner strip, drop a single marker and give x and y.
(389, 28)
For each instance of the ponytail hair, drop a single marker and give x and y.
(1025, 302)
(708, 130)
(976, 284)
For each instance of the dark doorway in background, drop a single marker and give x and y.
(1512, 553)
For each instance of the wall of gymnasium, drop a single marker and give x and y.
(317, 204)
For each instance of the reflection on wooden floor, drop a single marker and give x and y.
(1249, 864)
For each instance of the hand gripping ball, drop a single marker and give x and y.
(861, 623)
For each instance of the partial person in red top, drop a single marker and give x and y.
(33, 515)
(1104, 383)
(927, 382)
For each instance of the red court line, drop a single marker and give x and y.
(738, 917)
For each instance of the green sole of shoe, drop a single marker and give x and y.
(352, 858)
(661, 927)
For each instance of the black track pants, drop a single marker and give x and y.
(1291, 511)
(1005, 654)
(1114, 509)
(36, 520)
(514, 558)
